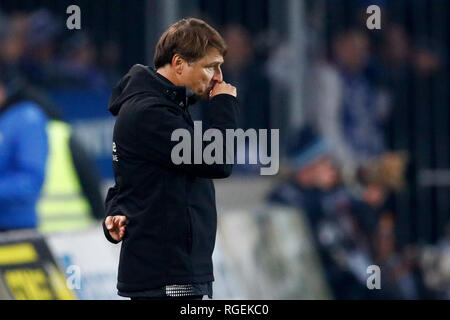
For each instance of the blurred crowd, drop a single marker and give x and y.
(342, 168)
(48, 181)
(352, 158)
(37, 46)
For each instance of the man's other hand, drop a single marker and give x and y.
(223, 88)
(116, 226)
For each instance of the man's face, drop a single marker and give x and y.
(352, 51)
(321, 173)
(201, 76)
(326, 175)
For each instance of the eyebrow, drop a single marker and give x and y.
(215, 63)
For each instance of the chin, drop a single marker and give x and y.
(203, 94)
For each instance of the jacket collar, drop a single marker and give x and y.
(180, 95)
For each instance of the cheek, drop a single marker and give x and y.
(208, 75)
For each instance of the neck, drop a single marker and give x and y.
(168, 73)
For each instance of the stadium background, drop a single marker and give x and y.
(277, 49)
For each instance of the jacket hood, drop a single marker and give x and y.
(143, 79)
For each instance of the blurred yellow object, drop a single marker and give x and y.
(392, 168)
(35, 284)
(388, 171)
(58, 283)
(28, 284)
(17, 254)
(62, 206)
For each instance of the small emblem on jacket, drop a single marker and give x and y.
(114, 149)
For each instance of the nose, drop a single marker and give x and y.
(218, 77)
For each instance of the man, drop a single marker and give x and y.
(166, 213)
(23, 155)
(69, 197)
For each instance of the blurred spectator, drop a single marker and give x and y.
(425, 60)
(310, 169)
(395, 49)
(396, 67)
(70, 196)
(245, 72)
(109, 61)
(77, 65)
(435, 263)
(386, 172)
(13, 33)
(349, 227)
(402, 278)
(38, 63)
(315, 188)
(47, 64)
(345, 106)
(23, 155)
(379, 177)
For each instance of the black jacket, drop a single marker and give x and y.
(170, 208)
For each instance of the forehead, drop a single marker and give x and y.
(212, 56)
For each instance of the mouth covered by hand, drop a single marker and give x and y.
(210, 89)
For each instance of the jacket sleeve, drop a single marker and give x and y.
(156, 124)
(31, 150)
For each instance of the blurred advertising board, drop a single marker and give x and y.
(90, 262)
(28, 270)
(261, 253)
(270, 252)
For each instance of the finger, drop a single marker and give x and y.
(116, 221)
(122, 220)
(108, 222)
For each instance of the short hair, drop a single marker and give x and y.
(190, 38)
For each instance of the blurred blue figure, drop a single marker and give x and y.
(315, 187)
(23, 154)
(346, 108)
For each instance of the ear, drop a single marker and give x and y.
(178, 63)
